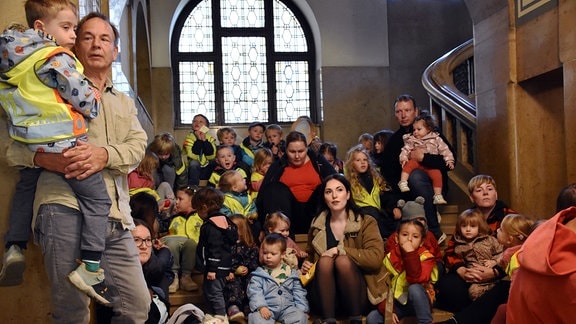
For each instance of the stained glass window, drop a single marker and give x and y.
(240, 61)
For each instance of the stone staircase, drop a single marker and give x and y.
(449, 214)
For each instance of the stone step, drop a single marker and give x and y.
(449, 215)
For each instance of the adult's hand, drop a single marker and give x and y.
(54, 162)
(85, 160)
(306, 266)
(417, 154)
(479, 273)
(332, 252)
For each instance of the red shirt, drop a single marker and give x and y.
(302, 181)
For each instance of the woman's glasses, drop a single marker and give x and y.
(139, 241)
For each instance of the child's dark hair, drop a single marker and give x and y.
(189, 190)
(205, 119)
(209, 198)
(416, 223)
(383, 136)
(275, 238)
(429, 120)
(244, 232)
(330, 148)
(145, 207)
(566, 197)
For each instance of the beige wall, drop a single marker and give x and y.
(525, 139)
(29, 302)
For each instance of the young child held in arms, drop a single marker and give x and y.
(275, 291)
(48, 102)
(182, 240)
(262, 161)
(253, 142)
(225, 161)
(200, 148)
(244, 262)
(414, 272)
(425, 138)
(275, 142)
(475, 244)
(279, 223)
(218, 235)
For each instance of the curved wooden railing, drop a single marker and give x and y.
(449, 82)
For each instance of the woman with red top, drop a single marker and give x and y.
(291, 184)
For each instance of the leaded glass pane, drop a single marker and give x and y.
(196, 35)
(288, 34)
(196, 90)
(292, 90)
(245, 87)
(87, 6)
(242, 13)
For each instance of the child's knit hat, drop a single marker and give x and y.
(412, 209)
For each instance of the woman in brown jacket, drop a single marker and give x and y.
(348, 251)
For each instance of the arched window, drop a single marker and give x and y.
(240, 61)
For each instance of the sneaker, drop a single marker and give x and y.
(235, 315)
(174, 285)
(186, 283)
(442, 238)
(13, 266)
(439, 200)
(91, 283)
(403, 185)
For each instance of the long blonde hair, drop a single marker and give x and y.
(352, 174)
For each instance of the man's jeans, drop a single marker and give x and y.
(57, 231)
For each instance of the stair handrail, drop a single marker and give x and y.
(438, 82)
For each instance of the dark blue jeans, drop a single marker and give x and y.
(214, 295)
(421, 185)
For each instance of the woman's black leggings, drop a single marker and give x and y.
(338, 282)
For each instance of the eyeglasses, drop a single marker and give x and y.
(139, 241)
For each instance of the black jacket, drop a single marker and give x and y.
(214, 251)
